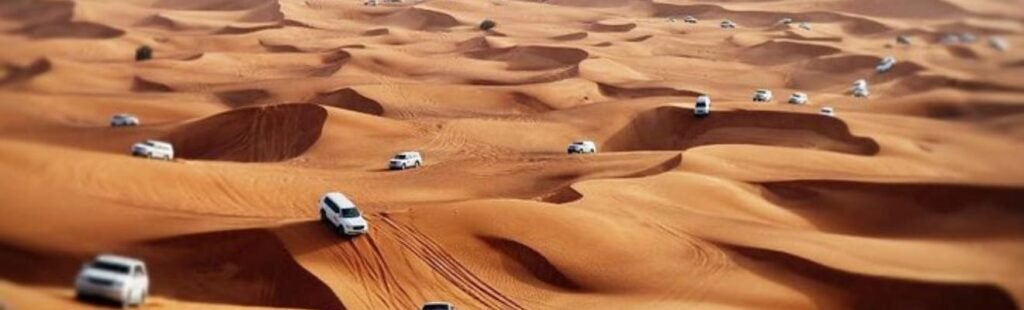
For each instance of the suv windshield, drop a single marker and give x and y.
(350, 212)
(117, 268)
(400, 157)
(435, 307)
(702, 104)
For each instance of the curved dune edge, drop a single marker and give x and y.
(349, 99)
(534, 265)
(252, 134)
(911, 209)
(202, 267)
(870, 292)
(675, 128)
(568, 194)
(531, 57)
(21, 74)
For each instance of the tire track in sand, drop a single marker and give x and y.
(366, 259)
(431, 253)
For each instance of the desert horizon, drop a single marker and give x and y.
(558, 154)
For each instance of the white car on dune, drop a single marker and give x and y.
(154, 149)
(405, 160)
(437, 305)
(885, 65)
(798, 98)
(727, 24)
(762, 95)
(124, 120)
(703, 106)
(338, 212)
(117, 278)
(827, 111)
(581, 147)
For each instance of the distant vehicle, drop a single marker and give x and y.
(903, 39)
(703, 106)
(885, 65)
(405, 160)
(950, 39)
(786, 21)
(798, 98)
(728, 24)
(582, 146)
(690, 20)
(124, 119)
(827, 111)
(338, 212)
(154, 149)
(998, 43)
(967, 37)
(437, 305)
(762, 95)
(117, 278)
(805, 26)
(861, 92)
(861, 83)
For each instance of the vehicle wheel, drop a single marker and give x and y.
(323, 217)
(142, 299)
(417, 164)
(341, 230)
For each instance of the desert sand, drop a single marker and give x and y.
(909, 199)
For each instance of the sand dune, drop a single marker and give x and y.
(906, 199)
(266, 133)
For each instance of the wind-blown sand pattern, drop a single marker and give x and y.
(909, 199)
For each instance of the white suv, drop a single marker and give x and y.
(798, 98)
(727, 24)
(342, 215)
(582, 146)
(762, 95)
(703, 106)
(124, 119)
(405, 160)
(437, 305)
(118, 278)
(154, 149)
(885, 65)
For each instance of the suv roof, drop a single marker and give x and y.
(156, 142)
(340, 199)
(120, 260)
(409, 153)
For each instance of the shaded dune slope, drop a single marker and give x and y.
(529, 265)
(253, 134)
(675, 128)
(858, 291)
(532, 57)
(202, 267)
(910, 210)
(349, 99)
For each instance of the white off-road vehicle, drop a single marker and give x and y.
(123, 119)
(728, 24)
(117, 278)
(405, 160)
(762, 95)
(582, 146)
(885, 65)
(805, 26)
(798, 98)
(861, 92)
(338, 212)
(998, 43)
(437, 305)
(154, 149)
(786, 21)
(703, 106)
(827, 111)
(690, 20)
(903, 39)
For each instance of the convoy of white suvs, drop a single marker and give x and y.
(125, 280)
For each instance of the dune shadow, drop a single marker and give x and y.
(518, 256)
(675, 128)
(866, 291)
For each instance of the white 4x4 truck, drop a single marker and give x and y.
(118, 278)
(582, 146)
(338, 212)
(153, 149)
(405, 160)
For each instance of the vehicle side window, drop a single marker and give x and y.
(139, 272)
(331, 205)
